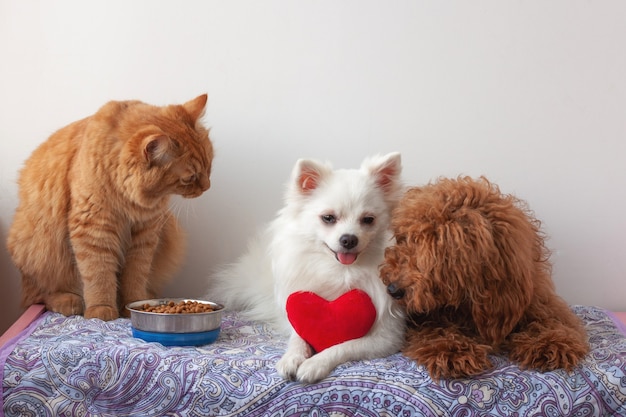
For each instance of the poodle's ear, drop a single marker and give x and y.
(497, 314)
(504, 285)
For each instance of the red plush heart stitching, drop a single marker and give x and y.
(322, 323)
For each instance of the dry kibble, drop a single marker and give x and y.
(182, 307)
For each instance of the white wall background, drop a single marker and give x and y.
(530, 93)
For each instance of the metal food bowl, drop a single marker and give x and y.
(175, 329)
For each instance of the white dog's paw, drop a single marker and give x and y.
(314, 369)
(288, 365)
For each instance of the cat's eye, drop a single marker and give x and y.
(328, 218)
(189, 180)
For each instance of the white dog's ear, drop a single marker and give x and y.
(386, 169)
(307, 175)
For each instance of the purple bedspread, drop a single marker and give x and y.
(69, 366)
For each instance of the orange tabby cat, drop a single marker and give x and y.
(93, 230)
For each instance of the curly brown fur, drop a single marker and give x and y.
(471, 268)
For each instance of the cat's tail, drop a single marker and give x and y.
(248, 286)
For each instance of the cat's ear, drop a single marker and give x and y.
(196, 107)
(158, 149)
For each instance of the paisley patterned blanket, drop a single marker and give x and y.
(69, 366)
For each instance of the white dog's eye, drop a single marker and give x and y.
(328, 218)
(367, 220)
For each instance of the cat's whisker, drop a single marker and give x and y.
(176, 208)
(190, 208)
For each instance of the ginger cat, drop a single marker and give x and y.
(93, 230)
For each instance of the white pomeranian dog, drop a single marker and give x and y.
(328, 239)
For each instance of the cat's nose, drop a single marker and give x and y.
(205, 183)
(395, 291)
(348, 241)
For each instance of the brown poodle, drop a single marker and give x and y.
(472, 271)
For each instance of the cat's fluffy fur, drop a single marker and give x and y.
(302, 250)
(93, 230)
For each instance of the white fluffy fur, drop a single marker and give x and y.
(296, 253)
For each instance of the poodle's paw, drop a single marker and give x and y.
(288, 365)
(545, 353)
(102, 312)
(451, 360)
(66, 303)
(314, 369)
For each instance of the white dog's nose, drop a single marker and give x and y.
(348, 241)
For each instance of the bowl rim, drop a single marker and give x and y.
(132, 307)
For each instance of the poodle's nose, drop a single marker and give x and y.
(395, 291)
(348, 241)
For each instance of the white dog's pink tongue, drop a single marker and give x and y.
(346, 258)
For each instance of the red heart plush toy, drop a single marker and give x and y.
(322, 323)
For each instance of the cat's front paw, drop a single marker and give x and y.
(66, 303)
(102, 312)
